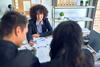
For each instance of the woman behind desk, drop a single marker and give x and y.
(39, 25)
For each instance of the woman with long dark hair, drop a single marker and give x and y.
(66, 48)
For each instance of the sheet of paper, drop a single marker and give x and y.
(26, 5)
(42, 42)
(43, 54)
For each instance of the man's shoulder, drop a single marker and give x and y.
(7, 45)
(26, 58)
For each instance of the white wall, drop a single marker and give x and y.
(48, 5)
(3, 6)
(72, 13)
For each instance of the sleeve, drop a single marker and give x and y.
(49, 29)
(29, 33)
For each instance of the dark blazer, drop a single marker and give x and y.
(11, 57)
(32, 29)
(89, 59)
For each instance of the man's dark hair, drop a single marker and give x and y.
(40, 9)
(10, 21)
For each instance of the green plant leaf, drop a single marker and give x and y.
(61, 13)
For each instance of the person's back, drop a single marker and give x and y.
(57, 62)
(11, 57)
(8, 52)
(66, 48)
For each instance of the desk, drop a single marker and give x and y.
(85, 31)
(97, 63)
(42, 47)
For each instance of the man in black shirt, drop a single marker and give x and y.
(13, 29)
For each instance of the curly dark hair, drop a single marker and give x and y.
(38, 8)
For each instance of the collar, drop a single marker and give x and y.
(40, 23)
(5, 42)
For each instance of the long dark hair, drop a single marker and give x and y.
(66, 45)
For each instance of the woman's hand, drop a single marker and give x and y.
(36, 35)
(31, 42)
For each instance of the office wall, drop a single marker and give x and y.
(48, 5)
(72, 13)
(3, 6)
(96, 25)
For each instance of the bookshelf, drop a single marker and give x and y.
(72, 4)
(73, 7)
(74, 19)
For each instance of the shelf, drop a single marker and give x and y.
(74, 19)
(75, 7)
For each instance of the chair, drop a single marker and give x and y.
(94, 40)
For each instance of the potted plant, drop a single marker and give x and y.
(61, 15)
